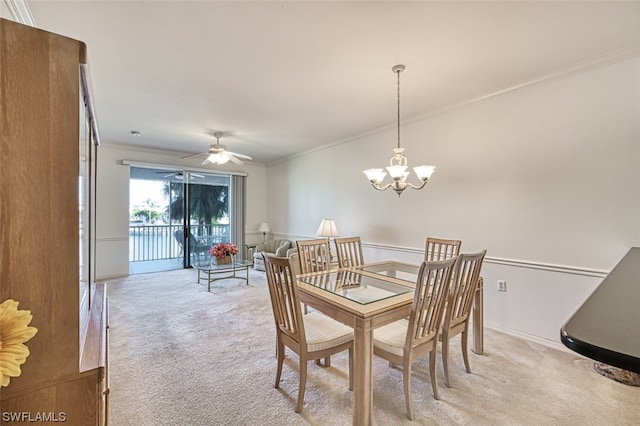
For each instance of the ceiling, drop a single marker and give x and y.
(280, 78)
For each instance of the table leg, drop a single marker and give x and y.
(363, 372)
(478, 322)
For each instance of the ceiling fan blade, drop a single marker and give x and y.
(197, 175)
(235, 154)
(193, 155)
(206, 161)
(233, 159)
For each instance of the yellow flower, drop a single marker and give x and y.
(14, 332)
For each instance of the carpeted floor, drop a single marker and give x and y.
(181, 356)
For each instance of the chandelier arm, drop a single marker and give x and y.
(381, 187)
(424, 182)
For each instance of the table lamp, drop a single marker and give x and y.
(328, 229)
(264, 228)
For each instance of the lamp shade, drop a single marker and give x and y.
(375, 175)
(424, 172)
(264, 228)
(327, 228)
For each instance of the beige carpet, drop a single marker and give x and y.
(182, 356)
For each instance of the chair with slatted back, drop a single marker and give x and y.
(314, 255)
(406, 340)
(312, 336)
(464, 284)
(441, 249)
(349, 251)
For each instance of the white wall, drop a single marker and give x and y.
(113, 202)
(546, 179)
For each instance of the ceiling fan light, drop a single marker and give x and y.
(217, 158)
(222, 159)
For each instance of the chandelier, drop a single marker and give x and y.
(398, 164)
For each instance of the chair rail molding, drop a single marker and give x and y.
(573, 270)
(124, 238)
(550, 267)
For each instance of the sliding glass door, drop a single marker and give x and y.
(177, 215)
(205, 199)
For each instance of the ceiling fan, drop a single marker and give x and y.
(218, 154)
(179, 175)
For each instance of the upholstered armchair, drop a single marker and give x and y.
(274, 247)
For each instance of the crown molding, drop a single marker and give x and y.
(19, 10)
(580, 67)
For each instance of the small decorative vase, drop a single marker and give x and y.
(222, 260)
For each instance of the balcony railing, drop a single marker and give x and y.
(159, 242)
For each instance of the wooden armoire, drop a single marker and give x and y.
(48, 148)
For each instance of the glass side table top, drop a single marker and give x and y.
(209, 265)
(355, 286)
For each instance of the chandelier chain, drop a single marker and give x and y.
(398, 72)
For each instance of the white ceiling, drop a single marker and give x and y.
(281, 78)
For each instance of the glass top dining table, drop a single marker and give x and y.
(367, 297)
(351, 284)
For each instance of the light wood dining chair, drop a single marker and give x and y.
(441, 249)
(349, 251)
(312, 336)
(314, 255)
(404, 341)
(464, 284)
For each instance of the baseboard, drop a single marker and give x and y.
(530, 337)
(111, 277)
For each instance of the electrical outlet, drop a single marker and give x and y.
(502, 285)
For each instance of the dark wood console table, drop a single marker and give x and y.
(606, 327)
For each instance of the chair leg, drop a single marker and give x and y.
(445, 359)
(432, 372)
(465, 353)
(280, 355)
(406, 378)
(303, 383)
(351, 368)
